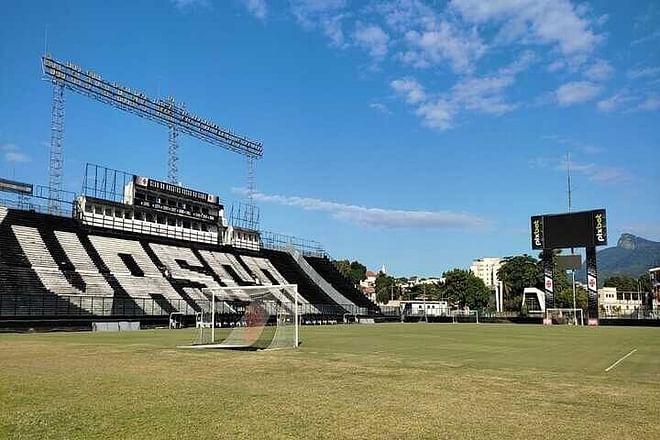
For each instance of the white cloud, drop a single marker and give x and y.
(555, 22)
(372, 38)
(437, 114)
(326, 15)
(485, 94)
(410, 89)
(594, 172)
(600, 70)
(651, 103)
(183, 4)
(13, 154)
(444, 42)
(615, 101)
(380, 107)
(646, 39)
(556, 66)
(643, 72)
(576, 93)
(378, 217)
(258, 8)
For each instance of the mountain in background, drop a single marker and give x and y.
(632, 256)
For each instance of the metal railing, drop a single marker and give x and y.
(21, 305)
(282, 242)
(147, 228)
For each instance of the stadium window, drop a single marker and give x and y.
(160, 219)
(619, 296)
(186, 224)
(128, 215)
(118, 213)
(88, 207)
(108, 212)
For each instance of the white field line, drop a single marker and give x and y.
(617, 362)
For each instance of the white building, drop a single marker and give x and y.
(424, 308)
(486, 269)
(619, 303)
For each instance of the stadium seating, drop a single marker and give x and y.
(286, 265)
(329, 272)
(53, 266)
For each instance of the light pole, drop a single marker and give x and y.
(574, 307)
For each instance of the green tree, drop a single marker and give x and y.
(516, 274)
(464, 289)
(353, 270)
(645, 283)
(623, 283)
(564, 298)
(358, 271)
(384, 287)
(432, 291)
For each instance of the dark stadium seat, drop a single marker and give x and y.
(331, 274)
(53, 266)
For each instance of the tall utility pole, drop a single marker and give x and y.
(56, 163)
(570, 205)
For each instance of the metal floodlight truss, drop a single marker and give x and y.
(163, 111)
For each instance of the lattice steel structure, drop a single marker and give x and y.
(163, 111)
(56, 163)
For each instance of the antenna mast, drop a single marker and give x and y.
(568, 175)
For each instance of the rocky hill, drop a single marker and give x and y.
(632, 256)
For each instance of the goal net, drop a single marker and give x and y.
(249, 318)
(458, 316)
(567, 316)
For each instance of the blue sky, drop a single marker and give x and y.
(419, 135)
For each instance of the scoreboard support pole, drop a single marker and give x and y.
(592, 285)
(549, 281)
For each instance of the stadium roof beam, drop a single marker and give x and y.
(163, 111)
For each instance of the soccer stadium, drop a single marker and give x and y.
(133, 305)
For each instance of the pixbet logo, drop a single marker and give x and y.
(600, 227)
(537, 232)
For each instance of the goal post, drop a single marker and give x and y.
(568, 316)
(458, 316)
(249, 318)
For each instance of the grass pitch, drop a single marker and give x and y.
(389, 381)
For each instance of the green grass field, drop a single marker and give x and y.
(363, 381)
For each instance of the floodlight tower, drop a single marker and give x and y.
(162, 111)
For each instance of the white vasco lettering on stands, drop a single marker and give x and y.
(169, 255)
(42, 261)
(137, 287)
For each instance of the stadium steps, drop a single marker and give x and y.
(95, 281)
(179, 285)
(323, 284)
(291, 271)
(62, 260)
(137, 288)
(330, 273)
(230, 271)
(97, 261)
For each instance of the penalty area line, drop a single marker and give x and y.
(617, 362)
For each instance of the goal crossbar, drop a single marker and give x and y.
(567, 314)
(247, 311)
